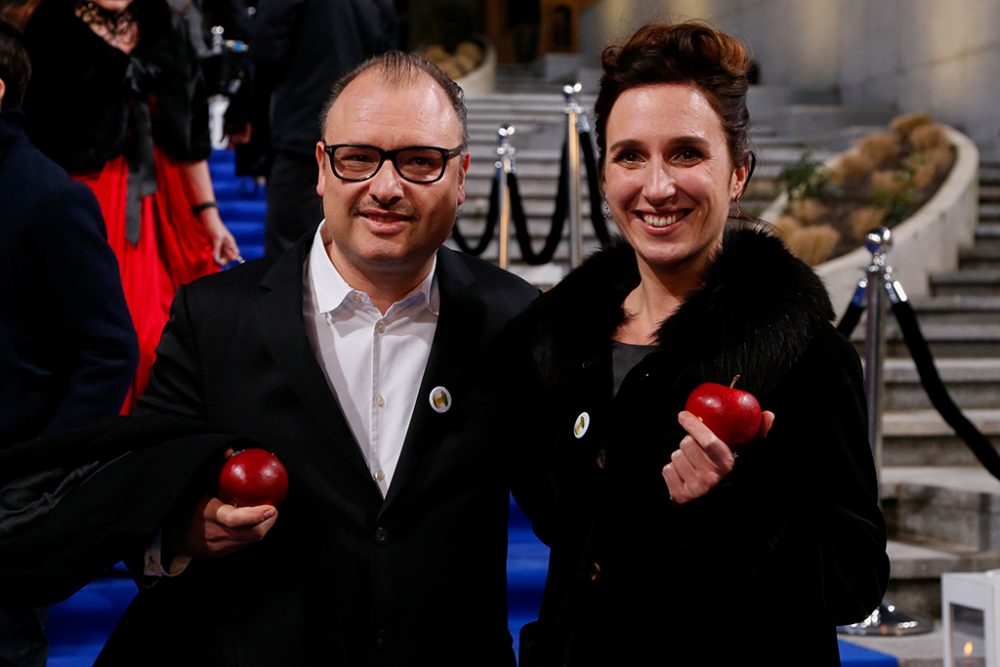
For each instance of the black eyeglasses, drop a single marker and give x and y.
(416, 164)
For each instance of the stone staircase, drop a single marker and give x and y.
(943, 508)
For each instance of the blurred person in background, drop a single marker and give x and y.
(298, 49)
(118, 100)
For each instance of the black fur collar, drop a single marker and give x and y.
(757, 311)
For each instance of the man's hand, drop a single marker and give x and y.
(218, 529)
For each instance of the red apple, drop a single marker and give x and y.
(732, 414)
(253, 477)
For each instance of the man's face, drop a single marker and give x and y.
(387, 226)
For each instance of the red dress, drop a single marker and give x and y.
(173, 249)
(89, 107)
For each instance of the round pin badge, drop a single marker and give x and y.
(581, 425)
(440, 399)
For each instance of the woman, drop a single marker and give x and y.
(666, 546)
(117, 99)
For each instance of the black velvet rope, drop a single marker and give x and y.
(978, 443)
(596, 214)
(492, 214)
(558, 216)
(849, 322)
(936, 391)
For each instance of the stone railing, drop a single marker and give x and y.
(925, 243)
(482, 80)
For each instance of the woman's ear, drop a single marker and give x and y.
(742, 174)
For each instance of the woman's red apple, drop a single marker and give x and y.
(732, 414)
(253, 477)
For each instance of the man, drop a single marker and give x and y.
(67, 346)
(298, 49)
(351, 358)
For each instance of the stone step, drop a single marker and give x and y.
(966, 282)
(987, 234)
(940, 519)
(946, 502)
(979, 257)
(957, 308)
(971, 383)
(989, 191)
(989, 173)
(989, 213)
(923, 438)
(945, 339)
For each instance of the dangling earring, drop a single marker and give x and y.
(737, 211)
(605, 209)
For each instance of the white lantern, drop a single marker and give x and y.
(970, 602)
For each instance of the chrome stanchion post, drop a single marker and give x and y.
(504, 166)
(573, 113)
(878, 285)
(878, 243)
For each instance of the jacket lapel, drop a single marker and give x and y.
(453, 350)
(279, 314)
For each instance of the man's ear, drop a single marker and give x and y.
(466, 161)
(3, 89)
(320, 154)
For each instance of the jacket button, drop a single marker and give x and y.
(595, 571)
(381, 638)
(381, 536)
(601, 459)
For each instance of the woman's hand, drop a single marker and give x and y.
(224, 247)
(702, 460)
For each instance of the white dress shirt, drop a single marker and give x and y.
(373, 362)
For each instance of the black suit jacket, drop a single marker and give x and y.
(67, 346)
(345, 576)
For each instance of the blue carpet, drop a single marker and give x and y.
(242, 203)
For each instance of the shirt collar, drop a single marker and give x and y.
(332, 290)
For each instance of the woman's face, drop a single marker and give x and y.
(668, 176)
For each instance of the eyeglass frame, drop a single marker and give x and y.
(446, 153)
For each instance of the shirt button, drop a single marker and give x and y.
(381, 637)
(380, 327)
(379, 401)
(381, 536)
(379, 475)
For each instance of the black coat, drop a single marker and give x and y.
(300, 47)
(345, 577)
(67, 346)
(765, 566)
(84, 93)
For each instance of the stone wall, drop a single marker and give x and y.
(913, 55)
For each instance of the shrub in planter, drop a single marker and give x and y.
(882, 180)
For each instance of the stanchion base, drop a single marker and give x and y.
(888, 621)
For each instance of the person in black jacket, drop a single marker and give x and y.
(298, 49)
(667, 545)
(67, 346)
(352, 358)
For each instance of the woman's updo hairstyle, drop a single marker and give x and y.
(685, 53)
